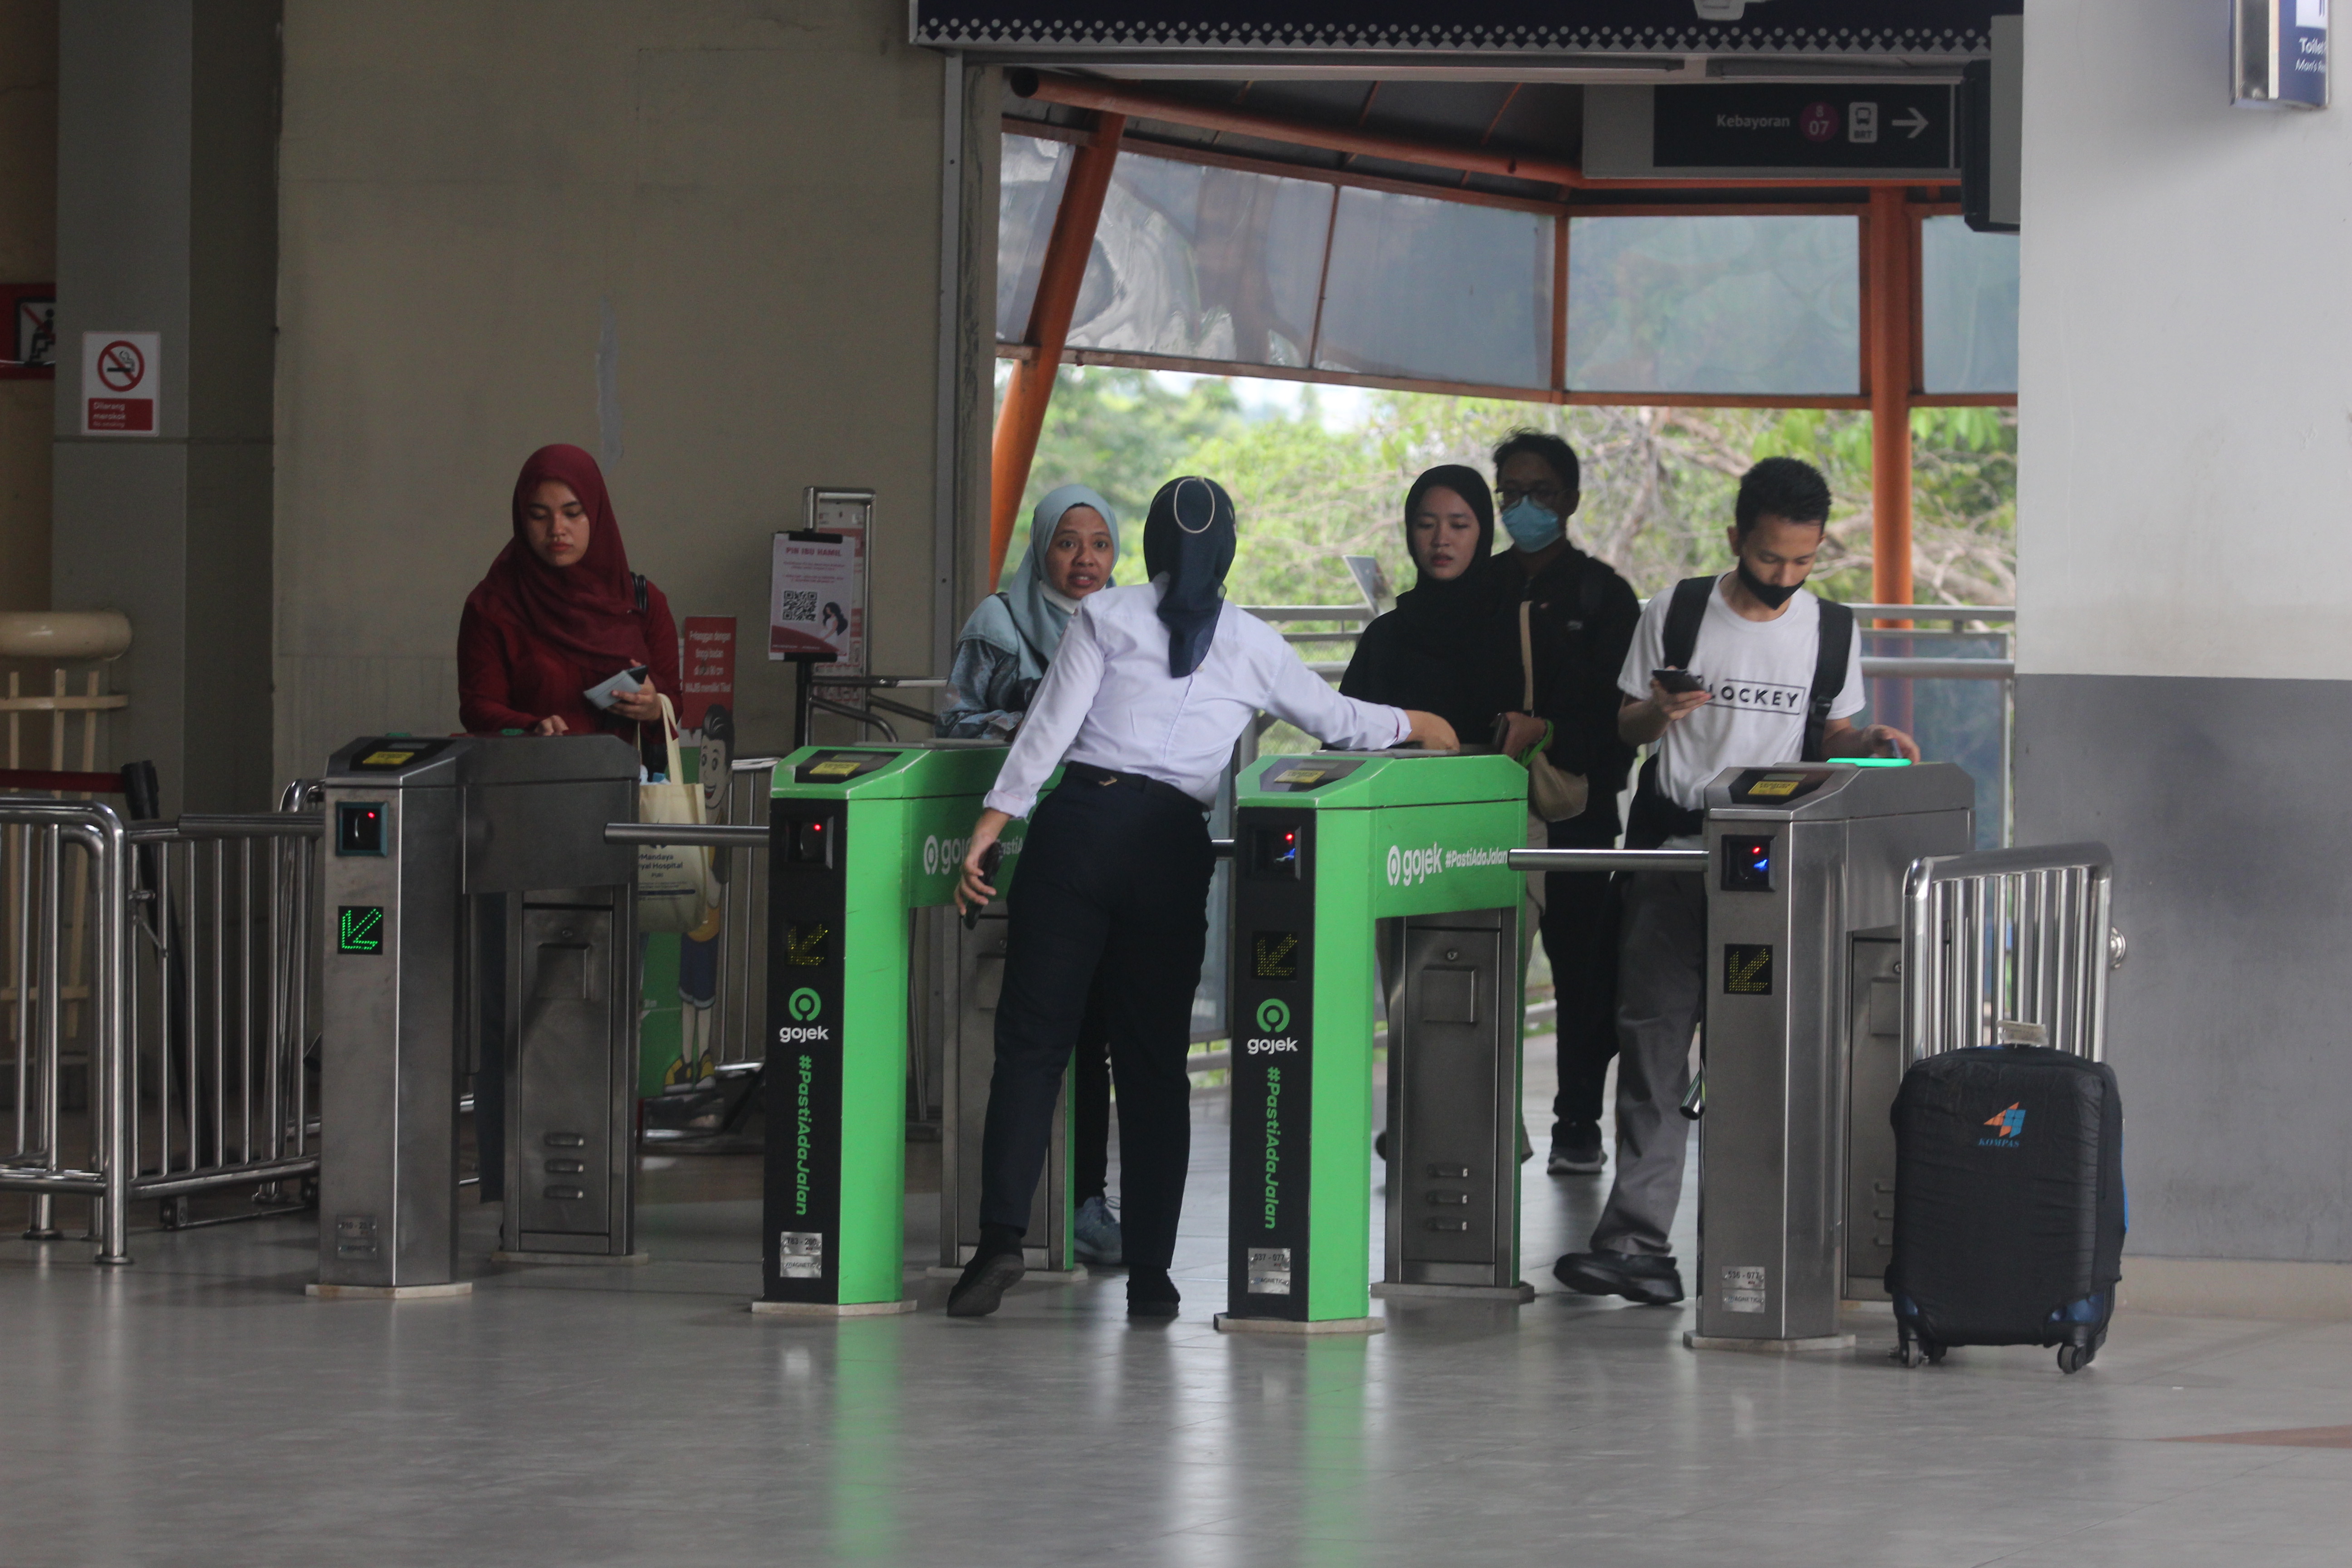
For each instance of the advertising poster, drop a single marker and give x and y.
(709, 672)
(816, 600)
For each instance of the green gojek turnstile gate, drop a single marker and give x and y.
(1325, 847)
(860, 838)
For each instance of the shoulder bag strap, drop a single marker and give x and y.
(1683, 615)
(1829, 673)
(1527, 657)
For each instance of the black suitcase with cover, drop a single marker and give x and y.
(2008, 1203)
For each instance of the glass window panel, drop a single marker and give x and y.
(1761, 305)
(1968, 301)
(1033, 173)
(1438, 289)
(1203, 263)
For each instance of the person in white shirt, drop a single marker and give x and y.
(1760, 701)
(1145, 697)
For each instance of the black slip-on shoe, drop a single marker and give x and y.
(983, 1283)
(1645, 1278)
(1151, 1294)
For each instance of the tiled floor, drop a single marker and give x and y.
(198, 1409)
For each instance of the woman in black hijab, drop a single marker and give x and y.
(1449, 645)
(1147, 693)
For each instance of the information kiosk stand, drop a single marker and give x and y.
(416, 828)
(860, 838)
(1326, 846)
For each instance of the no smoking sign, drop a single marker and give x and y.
(121, 372)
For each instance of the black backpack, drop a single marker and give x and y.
(1655, 817)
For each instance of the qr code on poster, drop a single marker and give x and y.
(796, 607)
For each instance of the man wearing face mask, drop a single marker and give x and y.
(1581, 623)
(1778, 678)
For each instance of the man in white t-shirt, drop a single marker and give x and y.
(1756, 657)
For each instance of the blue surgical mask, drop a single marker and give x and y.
(1530, 526)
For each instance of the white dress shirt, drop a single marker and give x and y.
(1108, 700)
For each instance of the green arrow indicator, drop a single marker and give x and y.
(358, 930)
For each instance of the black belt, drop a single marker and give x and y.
(1087, 774)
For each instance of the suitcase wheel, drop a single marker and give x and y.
(1911, 1349)
(2072, 1359)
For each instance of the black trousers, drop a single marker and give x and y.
(1112, 891)
(1580, 937)
(1090, 1103)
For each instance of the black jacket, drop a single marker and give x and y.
(1583, 626)
(1466, 685)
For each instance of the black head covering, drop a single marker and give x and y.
(1444, 616)
(1189, 537)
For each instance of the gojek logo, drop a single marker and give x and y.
(1273, 1018)
(1406, 867)
(804, 1005)
(2011, 1126)
(947, 853)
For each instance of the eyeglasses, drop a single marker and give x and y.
(1545, 493)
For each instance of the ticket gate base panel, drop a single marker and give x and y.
(326, 1292)
(1699, 1341)
(1413, 1291)
(592, 1259)
(831, 1308)
(1229, 1323)
(1033, 1268)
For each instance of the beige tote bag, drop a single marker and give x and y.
(675, 888)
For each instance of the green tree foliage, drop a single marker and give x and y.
(1658, 482)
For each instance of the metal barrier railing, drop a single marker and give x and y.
(220, 988)
(61, 856)
(738, 1018)
(204, 936)
(2003, 945)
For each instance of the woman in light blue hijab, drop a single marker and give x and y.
(999, 660)
(1011, 637)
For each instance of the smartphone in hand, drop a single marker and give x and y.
(1678, 682)
(990, 858)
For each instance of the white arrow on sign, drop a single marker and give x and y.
(1915, 123)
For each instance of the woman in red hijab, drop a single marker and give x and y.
(560, 612)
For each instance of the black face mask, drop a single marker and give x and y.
(1772, 593)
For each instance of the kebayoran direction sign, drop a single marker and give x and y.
(1753, 130)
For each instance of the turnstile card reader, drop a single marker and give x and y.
(1805, 880)
(859, 837)
(1325, 847)
(415, 828)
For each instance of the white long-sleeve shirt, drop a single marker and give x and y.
(1110, 701)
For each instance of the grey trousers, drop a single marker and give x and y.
(1660, 963)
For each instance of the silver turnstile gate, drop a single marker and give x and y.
(417, 830)
(1452, 987)
(1805, 867)
(972, 961)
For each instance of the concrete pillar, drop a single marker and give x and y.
(2184, 527)
(167, 125)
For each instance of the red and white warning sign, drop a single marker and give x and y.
(122, 382)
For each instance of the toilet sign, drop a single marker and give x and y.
(122, 382)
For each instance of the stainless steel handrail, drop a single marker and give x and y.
(194, 825)
(1940, 668)
(2003, 937)
(717, 835)
(1608, 859)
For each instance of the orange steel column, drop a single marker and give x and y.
(1031, 388)
(1894, 296)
